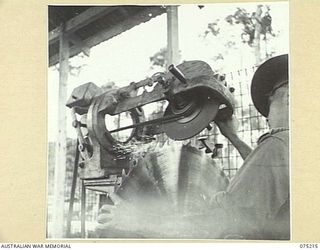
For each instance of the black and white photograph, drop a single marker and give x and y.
(168, 122)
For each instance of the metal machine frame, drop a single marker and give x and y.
(196, 97)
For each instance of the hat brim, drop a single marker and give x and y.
(267, 76)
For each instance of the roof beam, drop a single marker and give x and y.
(107, 34)
(79, 43)
(80, 21)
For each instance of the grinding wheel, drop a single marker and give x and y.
(198, 109)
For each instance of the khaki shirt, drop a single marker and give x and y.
(257, 199)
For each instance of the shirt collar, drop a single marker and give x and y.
(276, 130)
(271, 132)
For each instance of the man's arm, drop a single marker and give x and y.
(228, 128)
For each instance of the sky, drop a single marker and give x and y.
(125, 58)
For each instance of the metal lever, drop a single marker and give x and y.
(177, 73)
(215, 151)
(203, 139)
(208, 150)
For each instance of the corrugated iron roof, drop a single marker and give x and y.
(87, 26)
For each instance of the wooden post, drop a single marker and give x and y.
(83, 210)
(73, 190)
(61, 152)
(173, 55)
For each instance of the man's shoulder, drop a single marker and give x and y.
(272, 149)
(275, 136)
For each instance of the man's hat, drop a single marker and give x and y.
(267, 77)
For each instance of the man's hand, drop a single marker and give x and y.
(107, 213)
(228, 127)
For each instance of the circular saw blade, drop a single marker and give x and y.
(204, 111)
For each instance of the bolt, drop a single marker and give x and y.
(74, 124)
(81, 147)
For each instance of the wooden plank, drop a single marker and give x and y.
(80, 21)
(61, 151)
(107, 34)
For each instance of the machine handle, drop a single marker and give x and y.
(177, 73)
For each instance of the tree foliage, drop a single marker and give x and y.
(159, 58)
(75, 67)
(249, 22)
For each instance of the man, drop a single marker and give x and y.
(257, 199)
